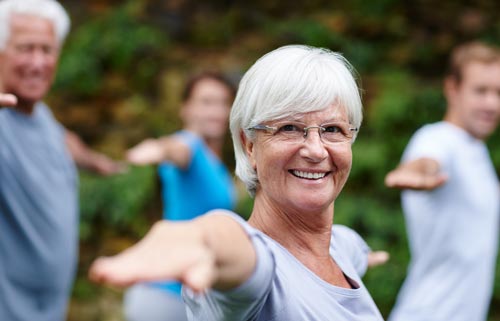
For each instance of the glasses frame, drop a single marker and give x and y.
(321, 130)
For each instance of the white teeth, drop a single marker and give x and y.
(309, 175)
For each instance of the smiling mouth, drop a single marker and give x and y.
(308, 175)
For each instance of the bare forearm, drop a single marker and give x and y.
(155, 151)
(88, 159)
(80, 152)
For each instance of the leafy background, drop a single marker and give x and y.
(125, 62)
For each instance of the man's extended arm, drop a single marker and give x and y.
(420, 174)
(88, 159)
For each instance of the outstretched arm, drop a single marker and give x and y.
(154, 151)
(7, 100)
(209, 252)
(91, 160)
(420, 174)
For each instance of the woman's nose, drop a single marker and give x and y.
(313, 147)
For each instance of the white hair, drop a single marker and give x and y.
(48, 9)
(288, 81)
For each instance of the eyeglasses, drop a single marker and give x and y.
(294, 132)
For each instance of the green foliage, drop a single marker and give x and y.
(116, 42)
(303, 30)
(117, 200)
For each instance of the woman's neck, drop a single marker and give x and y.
(298, 232)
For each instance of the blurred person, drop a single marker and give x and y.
(193, 177)
(451, 198)
(38, 179)
(295, 117)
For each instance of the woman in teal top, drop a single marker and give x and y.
(194, 180)
(204, 185)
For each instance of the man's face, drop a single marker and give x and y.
(474, 103)
(28, 62)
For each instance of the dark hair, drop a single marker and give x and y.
(194, 80)
(466, 53)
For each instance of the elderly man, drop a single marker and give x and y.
(38, 178)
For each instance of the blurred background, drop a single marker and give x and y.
(125, 63)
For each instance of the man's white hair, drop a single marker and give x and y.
(288, 81)
(48, 9)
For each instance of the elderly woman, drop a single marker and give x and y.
(294, 119)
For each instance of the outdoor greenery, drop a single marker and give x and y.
(124, 64)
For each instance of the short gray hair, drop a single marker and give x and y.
(285, 82)
(48, 9)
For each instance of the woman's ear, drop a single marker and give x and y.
(248, 147)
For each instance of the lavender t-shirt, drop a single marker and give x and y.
(283, 289)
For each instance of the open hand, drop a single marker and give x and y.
(7, 100)
(419, 174)
(170, 251)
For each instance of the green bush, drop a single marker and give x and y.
(117, 202)
(115, 43)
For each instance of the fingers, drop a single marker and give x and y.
(377, 258)
(420, 174)
(112, 167)
(391, 180)
(400, 180)
(106, 271)
(129, 267)
(168, 252)
(8, 100)
(146, 153)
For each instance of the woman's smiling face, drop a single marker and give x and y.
(305, 175)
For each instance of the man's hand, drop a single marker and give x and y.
(419, 174)
(377, 258)
(103, 165)
(7, 100)
(91, 160)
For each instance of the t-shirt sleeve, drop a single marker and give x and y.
(353, 245)
(243, 302)
(427, 142)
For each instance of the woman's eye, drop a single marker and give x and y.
(288, 128)
(333, 129)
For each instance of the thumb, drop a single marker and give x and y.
(202, 275)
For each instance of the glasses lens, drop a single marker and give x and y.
(289, 131)
(336, 132)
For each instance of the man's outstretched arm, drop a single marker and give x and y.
(420, 174)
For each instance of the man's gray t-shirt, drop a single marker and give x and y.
(38, 217)
(452, 230)
(283, 289)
